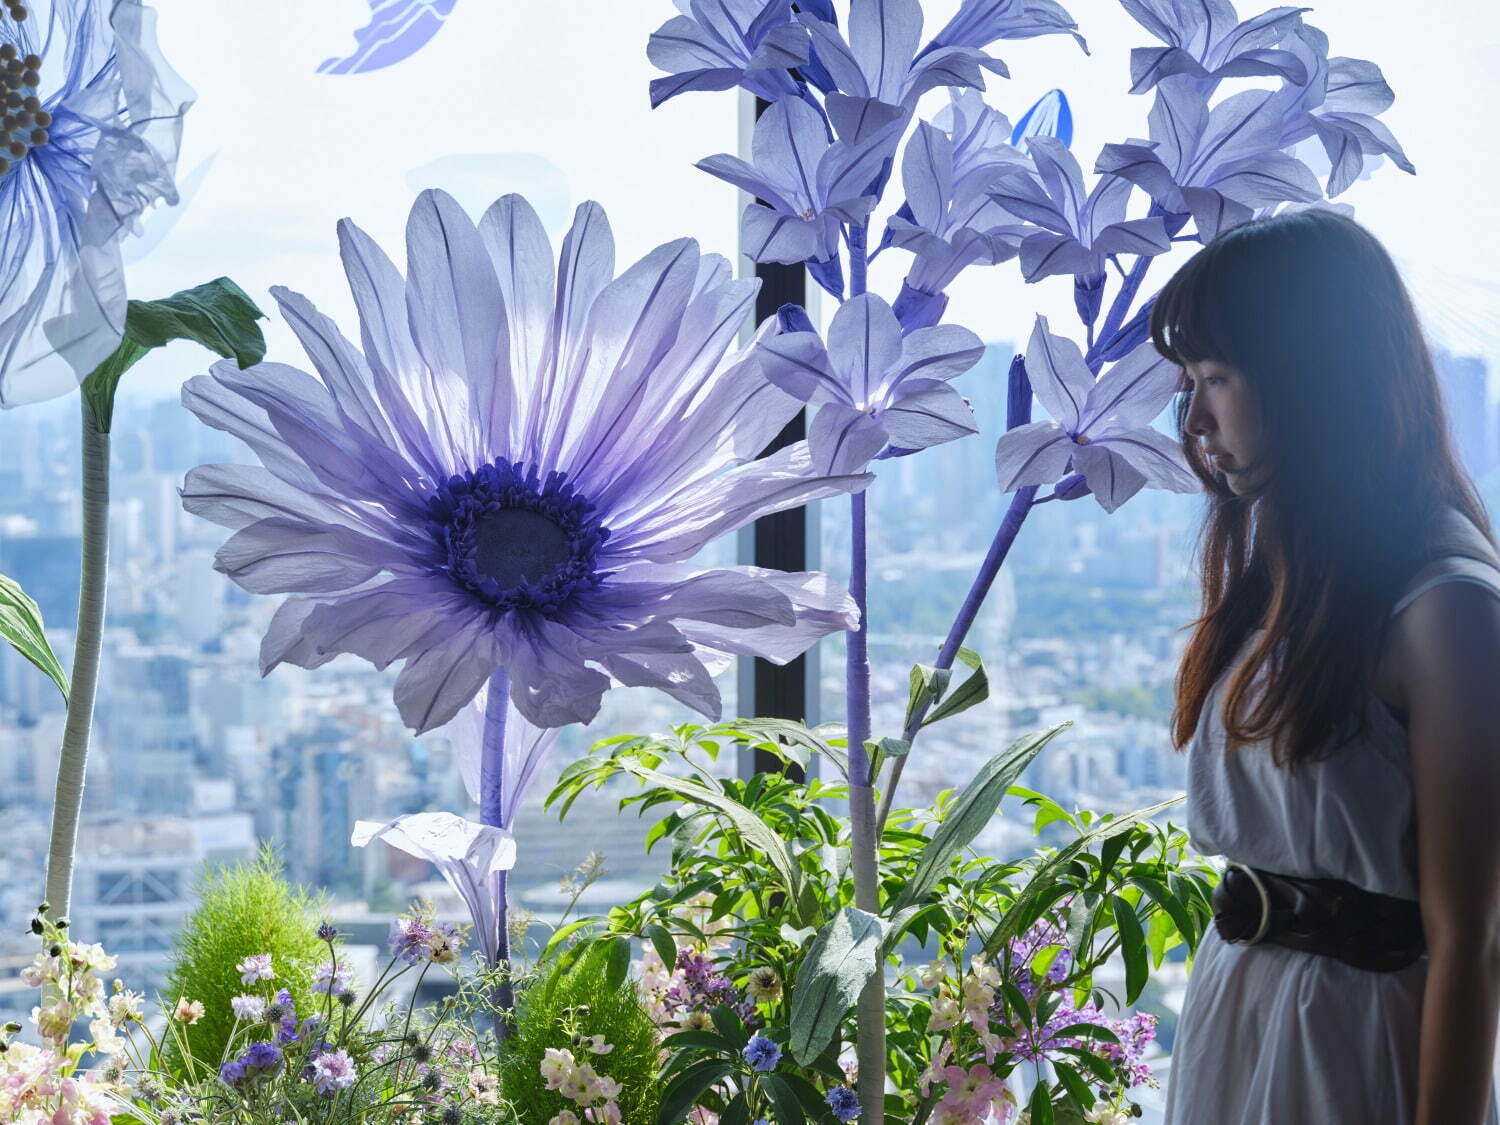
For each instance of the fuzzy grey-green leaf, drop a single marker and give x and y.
(843, 955)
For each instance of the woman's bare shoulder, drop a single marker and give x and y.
(1452, 622)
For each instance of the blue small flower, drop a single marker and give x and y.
(762, 1053)
(844, 1102)
(260, 1060)
(286, 1031)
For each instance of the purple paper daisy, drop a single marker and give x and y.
(513, 470)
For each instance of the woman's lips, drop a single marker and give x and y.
(1223, 461)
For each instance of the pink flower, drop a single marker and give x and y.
(332, 1071)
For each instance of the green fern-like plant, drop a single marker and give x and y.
(243, 909)
(581, 999)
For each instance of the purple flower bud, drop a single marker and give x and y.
(916, 309)
(1074, 486)
(793, 318)
(1017, 394)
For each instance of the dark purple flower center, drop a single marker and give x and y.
(515, 540)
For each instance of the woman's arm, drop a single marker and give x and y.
(1447, 649)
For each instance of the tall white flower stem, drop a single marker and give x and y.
(73, 758)
(492, 797)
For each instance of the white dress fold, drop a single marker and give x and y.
(1275, 1036)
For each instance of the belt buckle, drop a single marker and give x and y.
(1265, 908)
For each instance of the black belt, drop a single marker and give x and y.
(1371, 931)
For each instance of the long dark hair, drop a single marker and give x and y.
(1309, 307)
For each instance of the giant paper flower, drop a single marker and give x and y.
(1100, 429)
(514, 470)
(717, 44)
(92, 122)
(1338, 104)
(880, 56)
(1206, 40)
(810, 186)
(879, 389)
(1220, 164)
(1077, 232)
(948, 220)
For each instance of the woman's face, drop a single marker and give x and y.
(1222, 416)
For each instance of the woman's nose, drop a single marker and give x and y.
(1198, 421)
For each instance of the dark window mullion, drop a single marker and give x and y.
(781, 542)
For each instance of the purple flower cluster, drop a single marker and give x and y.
(1025, 947)
(260, 1060)
(700, 987)
(1134, 1032)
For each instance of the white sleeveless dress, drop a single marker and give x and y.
(1275, 1036)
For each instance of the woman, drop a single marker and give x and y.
(1339, 698)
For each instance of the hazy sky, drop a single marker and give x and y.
(550, 100)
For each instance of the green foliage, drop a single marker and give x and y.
(21, 627)
(243, 909)
(562, 1009)
(1118, 885)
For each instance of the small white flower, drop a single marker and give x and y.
(251, 1009)
(124, 1007)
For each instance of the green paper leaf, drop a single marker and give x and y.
(974, 690)
(971, 811)
(843, 956)
(21, 626)
(217, 315)
(927, 687)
